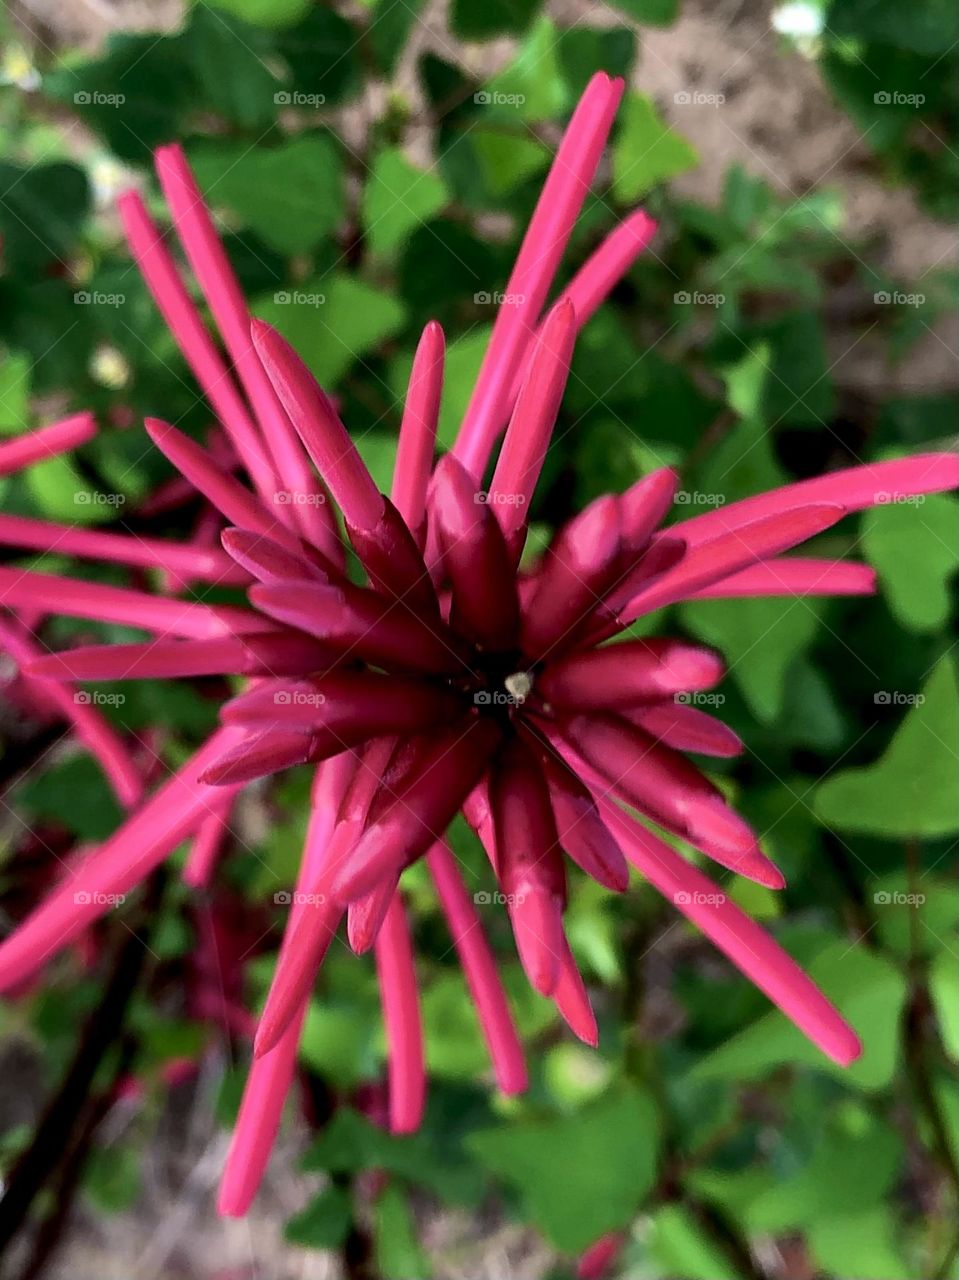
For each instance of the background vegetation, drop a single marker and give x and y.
(373, 166)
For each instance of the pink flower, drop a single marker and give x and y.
(453, 679)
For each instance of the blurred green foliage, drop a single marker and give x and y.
(704, 1122)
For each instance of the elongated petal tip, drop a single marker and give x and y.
(844, 1047)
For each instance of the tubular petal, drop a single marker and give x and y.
(794, 576)
(686, 728)
(115, 868)
(47, 442)
(24, 589)
(575, 574)
(476, 560)
(401, 1015)
(199, 564)
(174, 303)
(326, 439)
(739, 545)
(361, 623)
(866, 485)
(414, 454)
(211, 266)
(418, 810)
(92, 729)
(668, 788)
(531, 425)
(635, 671)
(747, 945)
(221, 489)
(479, 967)
(279, 654)
(549, 229)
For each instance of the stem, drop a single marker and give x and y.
(67, 1127)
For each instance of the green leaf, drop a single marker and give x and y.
(266, 13)
(398, 1253)
(583, 49)
(861, 1245)
(531, 84)
(506, 160)
(646, 151)
(324, 1223)
(657, 13)
(390, 27)
(683, 1248)
(42, 209)
(578, 1175)
(75, 793)
(472, 21)
(338, 1042)
(846, 1173)
(333, 322)
(759, 638)
(910, 789)
(322, 53)
(868, 991)
(290, 195)
(931, 27)
(111, 1177)
(944, 989)
(912, 548)
(14, 394)
(397, 198)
